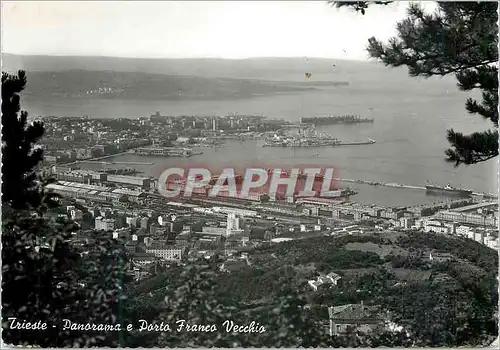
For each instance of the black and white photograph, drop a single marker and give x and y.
(249, 174)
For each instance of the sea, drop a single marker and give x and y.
(411, 116)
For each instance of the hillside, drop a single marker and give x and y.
(449, 301)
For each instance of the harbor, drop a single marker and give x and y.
(445, 190)
(166, 151)
(309, 137)
(317, 143)
(373, 183)
(291, 144)
(343, 119)
(121, 163)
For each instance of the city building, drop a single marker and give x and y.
(142, 259)
(331, 279)
(491, 242)
(463, 230)
(355, 317)
(76, 214)
(407, 223)
(467, 218)
(132, 221)
(233, 224)
(131, 195)
(84, 191)
(104, 224)
(435, 226)
(166, 252)
(141, 182)
(214, 230)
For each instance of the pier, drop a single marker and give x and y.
(355, 143)
(315, 143)
(343, 119)
(372, 183)
(93, 160)
(126, 163)
(105, 157)
(166, 151)
(411, 187)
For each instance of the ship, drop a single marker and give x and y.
(343, 119)
(448, 190)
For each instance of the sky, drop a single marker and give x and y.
(192, 29)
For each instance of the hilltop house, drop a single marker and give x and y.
(440, 257)
(354, 318)
(360, 318)
(332, 279)
(232, 265)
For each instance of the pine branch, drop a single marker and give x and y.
(459, 38)
(20, 187)
(358, 6)
(471, 149)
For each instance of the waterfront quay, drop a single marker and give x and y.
(308, 216)
(165, 151)
(165, 230)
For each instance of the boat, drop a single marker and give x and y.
(448, 190)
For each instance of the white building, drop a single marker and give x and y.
(76, 214)
(406, 223)
(463, 230)
(233, 224)
(166, 252)
(467, 218)
(491, 242)
(132, 221)
(104, 224)
(142, 182)
(332, 278)
(478, 237)
(123, 232)
(241, 212)
(163, 220)
(214, 230)
(435, 226)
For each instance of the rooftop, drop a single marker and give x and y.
(125, 191)
(354, 312)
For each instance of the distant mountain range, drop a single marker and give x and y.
(144, 86)
(202, 78)
(161, 79)
(206, 67)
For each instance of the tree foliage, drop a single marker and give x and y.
(45, 277)
(459, 38)
(194, 297)
(20, 181)
(359, 6)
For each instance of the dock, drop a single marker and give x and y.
(355, 143)
(411, 187)
(324, 142)
(126, 163)
(372, 183)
